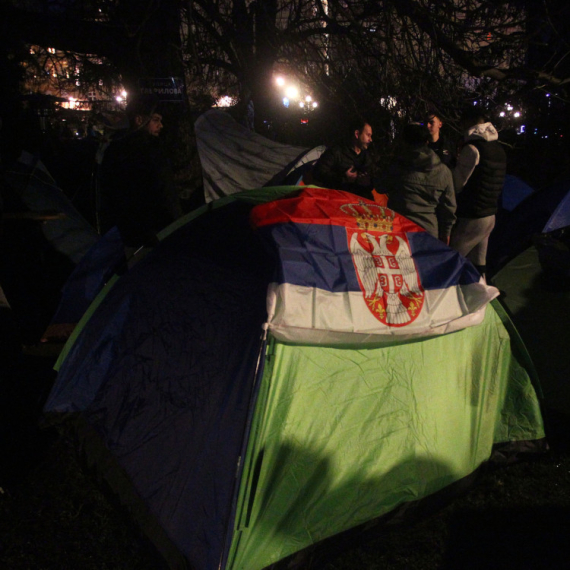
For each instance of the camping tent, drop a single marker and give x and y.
(514, 192)
(67, 231)
(45, 238)
(538, 302)
(514, 229)
(238, 450)
(234, 158)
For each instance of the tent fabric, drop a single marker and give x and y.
(514, 230)
(171, 372)
(350, 270)
(89, 276)
(561, 216)
(70, 234)
(163, 373)
(297, 173)
(538, 303)
(514, 192)
(394, 424)
(235, 159)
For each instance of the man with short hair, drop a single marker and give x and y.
(438, 142)
(348, 165)
(420, 186)
(137, 182)
(478, 179)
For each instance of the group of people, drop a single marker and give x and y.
(451, 192)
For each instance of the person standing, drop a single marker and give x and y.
(438, 142)
(420, 186)
(136, 178)
(478, 179)
(348, 166)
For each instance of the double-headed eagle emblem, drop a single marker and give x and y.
(388, 277)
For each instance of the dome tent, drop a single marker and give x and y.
(239, 450)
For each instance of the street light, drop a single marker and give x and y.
(292, 92)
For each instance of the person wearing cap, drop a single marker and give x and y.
(136, 178)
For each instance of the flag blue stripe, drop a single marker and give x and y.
(315, 255)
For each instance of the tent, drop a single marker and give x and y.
(96, 267)
(514, 192)
(234, 158)
(538, 302)
(514, 229)
(67, 231)
(45, 238)
(235, 449)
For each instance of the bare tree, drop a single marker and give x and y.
(385, 56)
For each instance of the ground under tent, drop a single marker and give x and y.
(235, 449)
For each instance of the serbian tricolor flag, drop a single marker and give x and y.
(352, 271)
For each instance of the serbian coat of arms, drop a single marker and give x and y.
(385, 267)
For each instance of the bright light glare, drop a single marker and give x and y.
(119, 99)
(301, 104)
(292, 92)
(124, 94)
(225, 101)
(308, 98)
(285, 101)
(315, 104)
(280, 81)
(517, 114)
(502, 114)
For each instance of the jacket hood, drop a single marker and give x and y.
(420, 159)
(484, 131)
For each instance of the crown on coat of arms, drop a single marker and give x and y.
(371, 216)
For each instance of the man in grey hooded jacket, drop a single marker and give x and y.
(420, 186)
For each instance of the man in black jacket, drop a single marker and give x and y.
(348, 165)
(137, 181)
(438, 142)
(478, 179)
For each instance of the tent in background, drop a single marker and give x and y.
(514, 192)
(235, 159)
(68, 232)
(514, 230)
(539, 303)
(44, 239)
(235, 450)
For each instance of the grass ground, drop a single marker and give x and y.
(54, 515)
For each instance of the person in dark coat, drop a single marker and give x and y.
(478, 179)
(420, 186)
(438, 142)
(348, 165)
(137, 183)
